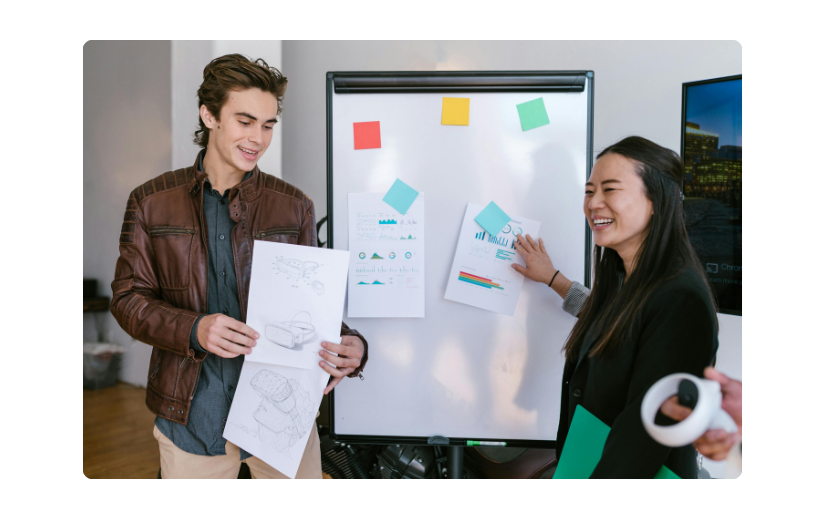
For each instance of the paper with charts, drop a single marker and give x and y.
(481, 274)
(273, 412)
(296, 300)
(386, 269)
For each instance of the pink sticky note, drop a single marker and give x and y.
(367, 135)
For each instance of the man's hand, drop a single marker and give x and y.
(714, 444)
(539, 266)
(349, 356)
(226, 337)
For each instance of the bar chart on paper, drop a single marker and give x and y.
(386, 274)
(482, 273)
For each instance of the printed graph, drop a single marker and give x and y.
(374, 269)
(387, 222)
(503, 254)
(478, 280)
(492, 239)
(479, 248)
(376, 256)
(376, 282)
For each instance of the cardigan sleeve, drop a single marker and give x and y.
(676, 335)
(575, 299)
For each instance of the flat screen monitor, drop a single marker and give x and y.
(712, 152)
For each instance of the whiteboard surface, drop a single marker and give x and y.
(463, 372)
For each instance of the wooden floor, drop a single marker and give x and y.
(117, 434)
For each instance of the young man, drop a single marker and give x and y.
(182, 279)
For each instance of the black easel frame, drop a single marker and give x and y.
(366, 83)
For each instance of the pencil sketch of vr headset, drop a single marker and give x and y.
(284, 414)
(293, 333)
(295, 268)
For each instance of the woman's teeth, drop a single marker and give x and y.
(602, 221)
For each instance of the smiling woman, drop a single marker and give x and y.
(650, 313)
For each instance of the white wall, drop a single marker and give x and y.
(188, 61)
(127, 136)
(638, 91)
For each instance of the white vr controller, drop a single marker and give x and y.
(707, 414)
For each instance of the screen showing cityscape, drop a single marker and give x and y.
(712, 152)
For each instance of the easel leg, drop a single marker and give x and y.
(455, 462)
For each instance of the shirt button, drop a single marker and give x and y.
(223, 202)
(223, 273)
(225, 311)
(221, 236)
(231, 387)
(577, 392)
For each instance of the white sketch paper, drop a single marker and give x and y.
(296, 300)
(481, 274)
(273, 412)
(386, 269)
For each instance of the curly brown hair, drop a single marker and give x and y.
(234, 72)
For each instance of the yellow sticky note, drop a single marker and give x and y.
(455, 111)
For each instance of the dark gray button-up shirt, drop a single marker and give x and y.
(203, 434)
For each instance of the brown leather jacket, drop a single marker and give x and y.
(161, 277)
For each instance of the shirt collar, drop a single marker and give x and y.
(201, 155)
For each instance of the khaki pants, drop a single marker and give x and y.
(178, 464)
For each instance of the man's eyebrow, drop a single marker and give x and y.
(244, 114)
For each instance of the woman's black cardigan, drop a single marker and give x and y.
(675, 332)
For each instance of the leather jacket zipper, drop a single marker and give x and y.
(163, 231)
(270, 232)
(157, 366)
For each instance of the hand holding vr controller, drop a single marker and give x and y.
(709, 412)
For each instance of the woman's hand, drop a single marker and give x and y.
(539, 265)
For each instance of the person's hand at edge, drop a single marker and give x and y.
(714, 444)
(731, 394)
(225, 336)
(347, 360)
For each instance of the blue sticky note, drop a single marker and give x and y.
(400, 196)
(492, 219)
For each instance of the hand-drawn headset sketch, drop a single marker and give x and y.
(285, 413)
(297, 269)
(293, 333)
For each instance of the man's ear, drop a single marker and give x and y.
(207, 118)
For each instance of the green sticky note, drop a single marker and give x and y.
(492, 219)
(584, 445)
(400, 196)
(532, 114)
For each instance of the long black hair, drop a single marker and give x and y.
(609, 312)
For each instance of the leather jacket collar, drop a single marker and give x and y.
(248, 189)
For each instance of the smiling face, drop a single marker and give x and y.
(244, 130)
(616, 205)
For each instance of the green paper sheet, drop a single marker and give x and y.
(532, 114)
(400, 196)
(492, 219)
(584, 445)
